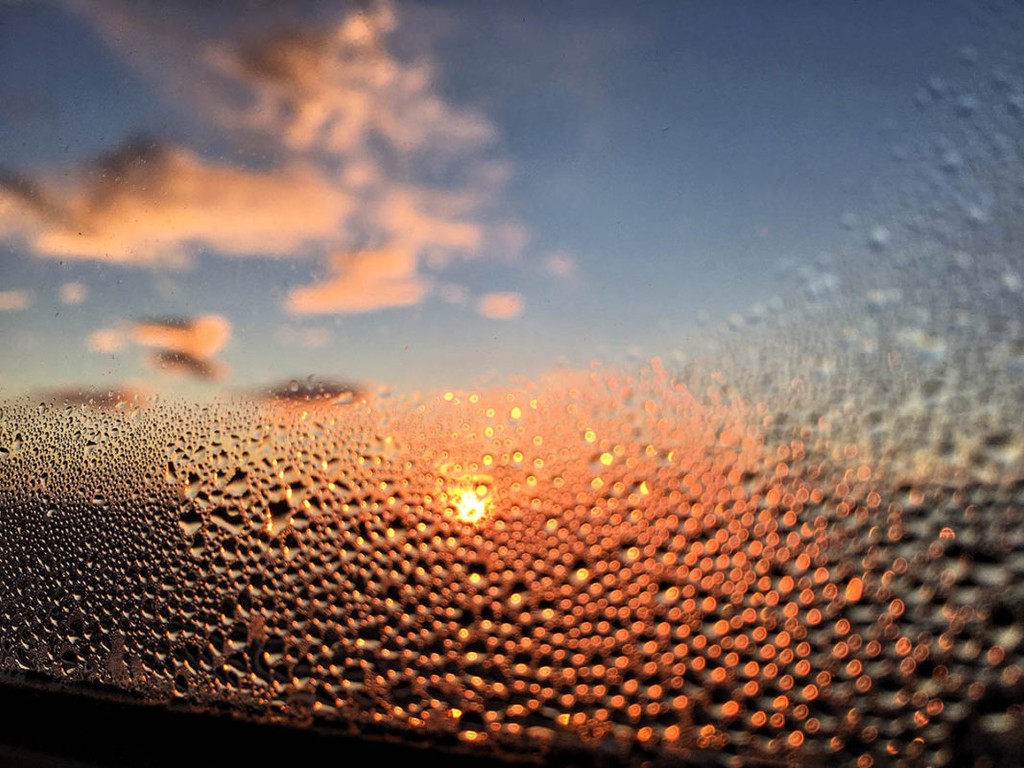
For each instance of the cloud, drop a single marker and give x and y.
(372, 168)
(337, 89)
(198, 337)
(501, 306)
(73, 293)
(183, 364)
(560, 264)
(106, 341)
(185, 345)
(21, 194)
(316, 391)
(416, 225)
(15, 301)
(363, 281)
(339, 92)
(429, 223)
(148, 203)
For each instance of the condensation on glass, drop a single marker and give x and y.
(802, 545)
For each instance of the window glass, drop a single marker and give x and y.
(638, 380)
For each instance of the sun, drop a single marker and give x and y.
(469, 507)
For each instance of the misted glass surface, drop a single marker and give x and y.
(641, 381)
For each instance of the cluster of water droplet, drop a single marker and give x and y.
(806, 549)
(614, 563)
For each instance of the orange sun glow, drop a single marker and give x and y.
(469, 507)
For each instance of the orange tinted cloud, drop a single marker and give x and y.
(179, 345)
(331, 96)
(501, 306)
(198, 337)
(417, 224)
(148, 203)
(336, 89)
(363, 281)
(339, 91)
(429, 222)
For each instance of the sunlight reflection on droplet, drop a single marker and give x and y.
(469, 507)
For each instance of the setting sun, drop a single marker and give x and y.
(469, 507)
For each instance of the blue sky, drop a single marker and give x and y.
(439, 195)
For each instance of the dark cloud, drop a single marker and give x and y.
(183, 364)
(317, 391)
(180, 345)
(18, 190)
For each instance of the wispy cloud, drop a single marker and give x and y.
(187, 345)
(339, 93)
(373, 162)
(362, 281)
(337, 89)
(200, 337)
(15, 301)
(73, 293)
(151, 204)
(501, 306)
(561, 264)
(106, 341)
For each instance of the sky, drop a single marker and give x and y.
(424, 195)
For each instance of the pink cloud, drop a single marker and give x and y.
(331, 96)
(148, 204)
(428, 219)
(501, 306)
(198, 337)
(182, 346)
(341, 92)
(416, 223)
(362, 281)
(336, 89)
